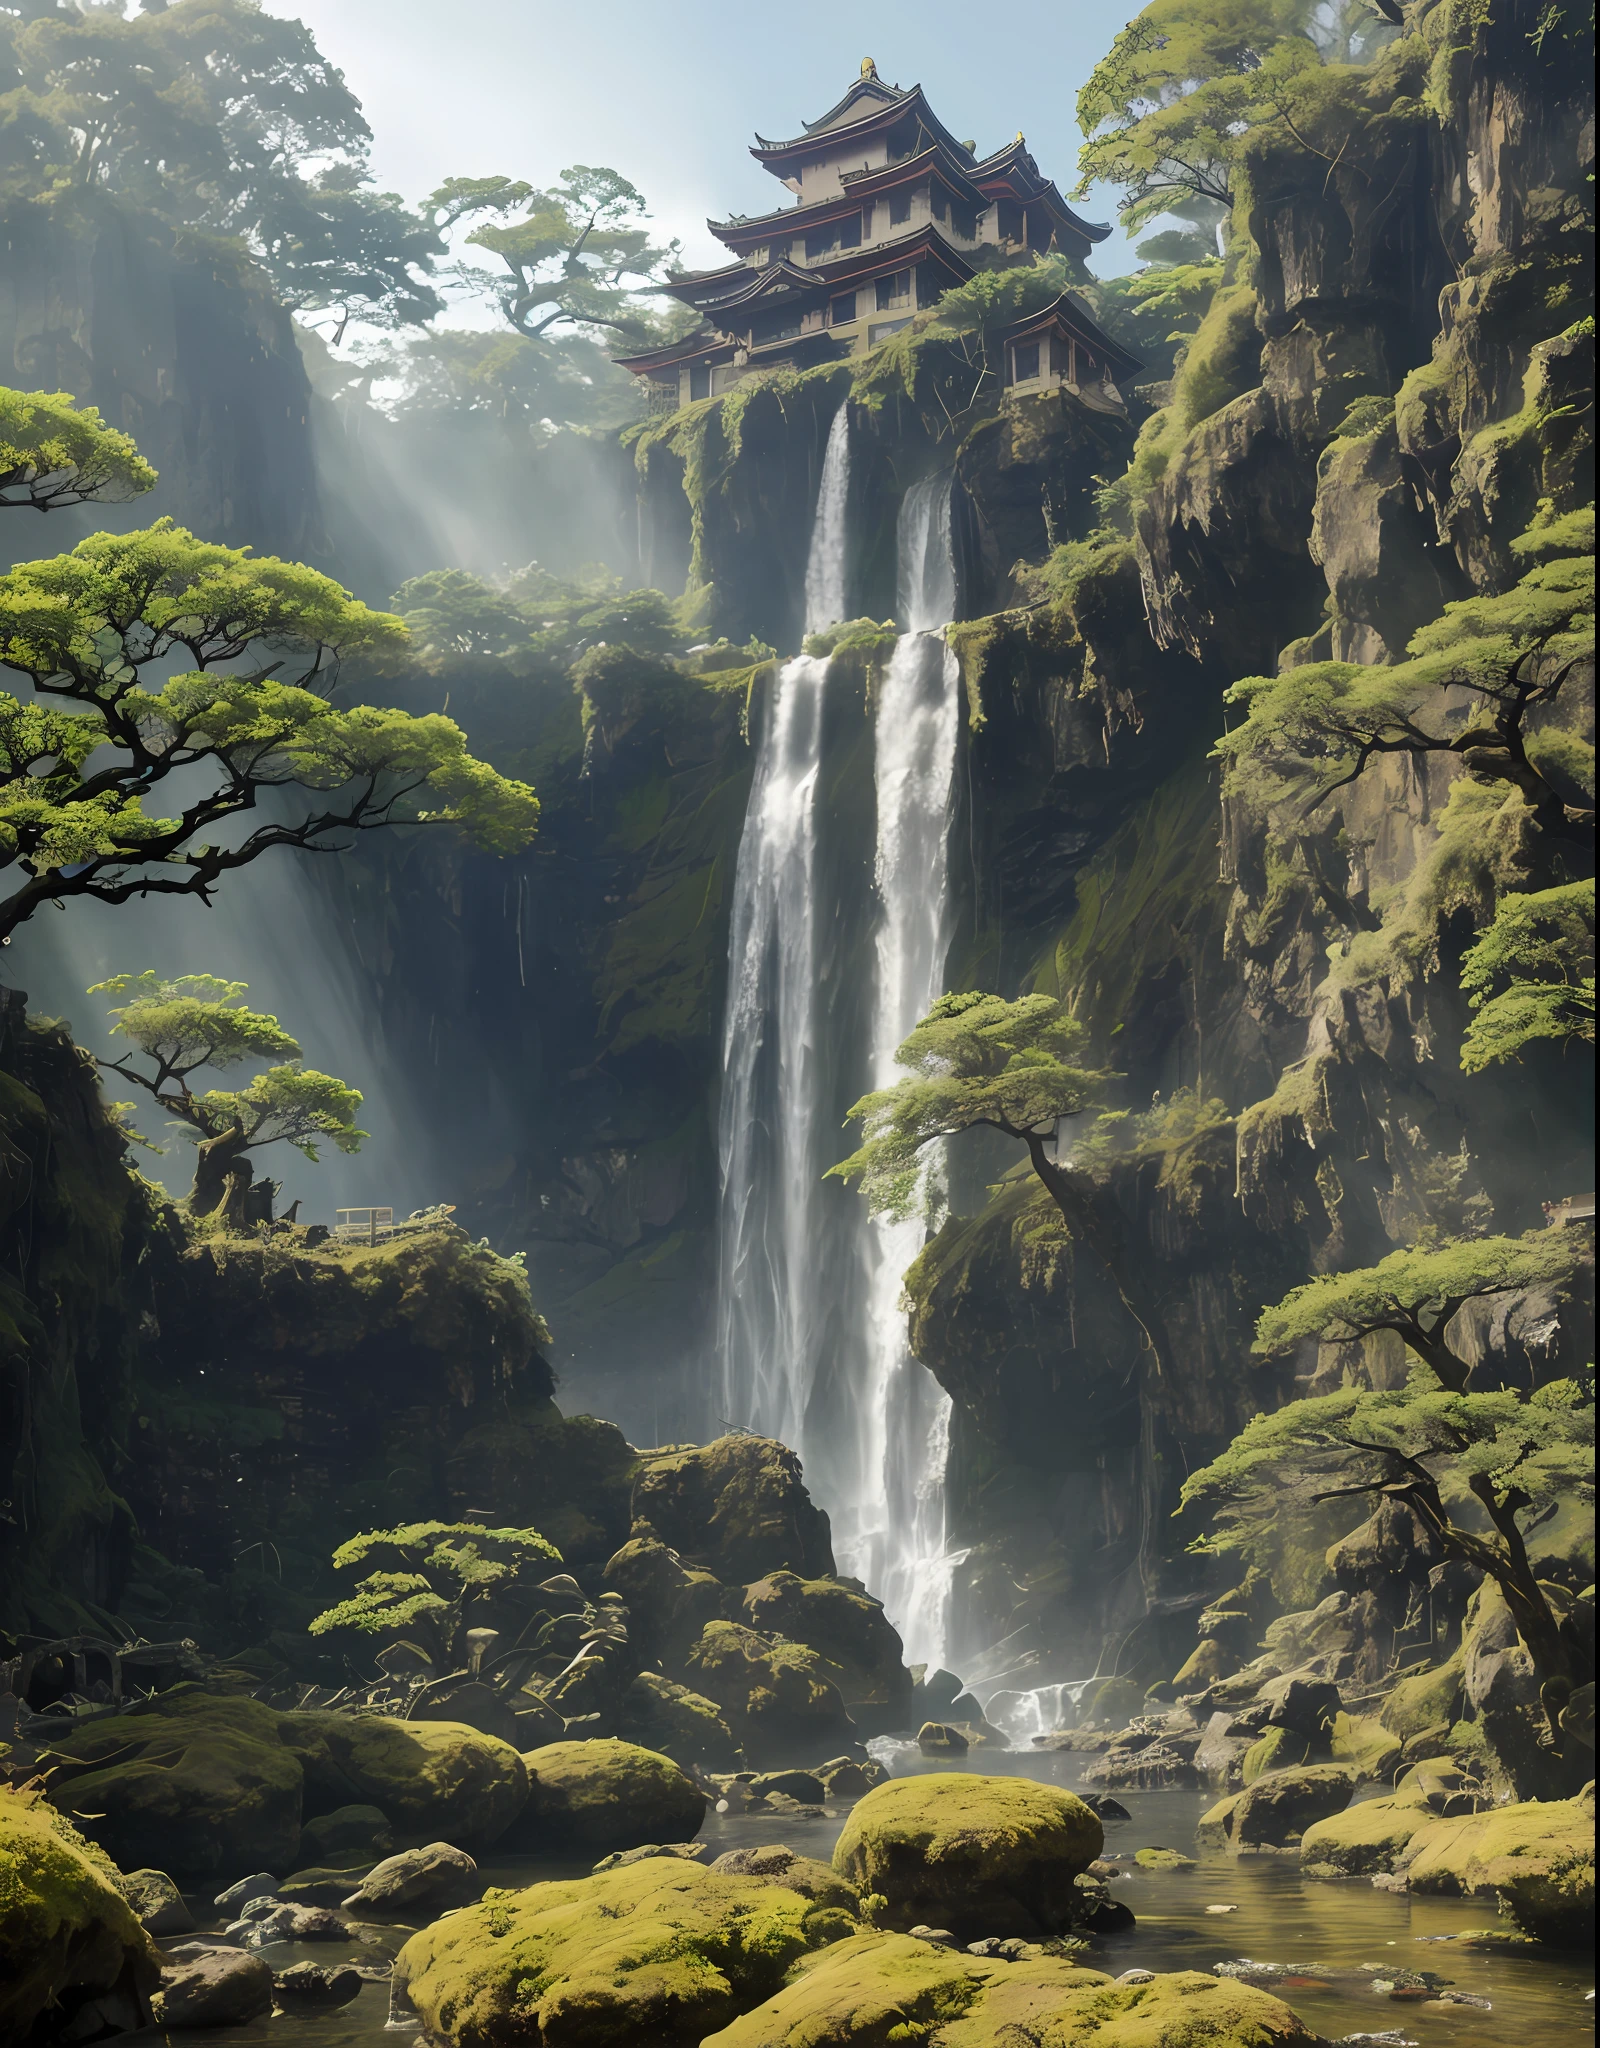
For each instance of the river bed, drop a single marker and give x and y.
(1351, 1933)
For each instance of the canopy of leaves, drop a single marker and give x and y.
(974, 1060)
(427, 1570)
(1543, 1445)
(55, 453)
(1313, 728)
(1530, 976)
(291, 1103)
(192, 1021)
(80, 758)
(1156, 311)
(1430, 1283)
(579, 257)
(215, 115)
(451, 612)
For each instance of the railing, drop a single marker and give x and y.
(363, 1226)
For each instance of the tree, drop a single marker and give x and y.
(180, 1026)
(452, 612)
(1317, 728)
(215, 115)
(1497, 1454)
(579, 258)
(1417, 1292)
(1164, 111)
(1530, 975)
(55, 453)
(247, 723)
(437, 1581)
(980, 1063)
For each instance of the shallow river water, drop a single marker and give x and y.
(1351, 1933)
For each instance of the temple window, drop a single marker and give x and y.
(894, 290)
(1010, 221)
(899, 209)
(1025, 362)
(850, 232)
(699, 380)
(843, 309)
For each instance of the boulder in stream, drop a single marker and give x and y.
(427, 1879)
(605, 1794)
(980, 1855)
(216, 1987)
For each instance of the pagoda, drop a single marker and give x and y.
(890, 212)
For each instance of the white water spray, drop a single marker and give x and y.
(891, 1531)
(768, 1125)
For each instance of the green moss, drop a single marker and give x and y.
(976, 1854)
(64, 1925)
(1365, 1742)
(434, 1779)
(1425, 1700)
(1537, 1856)
(846, 1627)
(604, 1794)
(661, 1951)
(778, 1697)
(662, 1715)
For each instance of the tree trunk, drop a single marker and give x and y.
(1075, 1200)
(235, 1205)
(212, 1165)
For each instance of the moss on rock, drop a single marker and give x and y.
(1365, 1744)
(199, 1785)
(976, 1854)
(888, 1991)
(1425, 1699)
(436, 1780)
(1275, 1811)
(1538, 1856)
(605, 1794)
(659, 1951)
(737, 1507)
(779, 1698)
(660, 1714)
(65, 1929)
(841, 1623)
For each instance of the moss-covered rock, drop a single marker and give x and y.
(978, 1855)
(605, 1794)
(880, 1990)
(777, 1863)
(668, 1601)
(657, 1951)
(658, 1713)
(843, 1624)
(1538, 1856)
(780, 1699)
(1275, 1811)
(349, 1836)
(737, 1507)
(66, 1931)
(199, 1786)
(1425, 1699)
(1374, 1834)
(1366, 1745)
(436, 1780)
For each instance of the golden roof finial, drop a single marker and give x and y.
(868, 68)
(1019, 134)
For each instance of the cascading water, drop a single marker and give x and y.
(769, 1136)
(890, 1524)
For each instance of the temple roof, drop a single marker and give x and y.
(868, 183)
(1070, 316)
(887, 108)
(737, 284)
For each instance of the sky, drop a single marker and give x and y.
(670, 96)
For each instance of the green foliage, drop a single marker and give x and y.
(452, 612)
(1158, 311)
(55, 453)
(193, 1021)
(975, 1060)
(433, 1573)
(1446, 1455)
(1416, 1291)
(218, 116)
(294, 1104)
(1314, 728)
(86, 629)
(1541, 947)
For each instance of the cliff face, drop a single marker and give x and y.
(181, 345)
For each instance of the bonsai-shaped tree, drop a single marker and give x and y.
(433, 1581)
(1417, 1292)
(196, 1021)
(978, 1062)
(1531, 975)
(96, 635)
(54, 453)
(1456, 1460)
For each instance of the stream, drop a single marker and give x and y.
(1351, 1933)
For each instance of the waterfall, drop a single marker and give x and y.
(769, 1138)
(891, 1532)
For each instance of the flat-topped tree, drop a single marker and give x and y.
(1417, 1293)
(193, 1021)
(978, 1062)
(55, 453)
(1530, 976)
(257, 644)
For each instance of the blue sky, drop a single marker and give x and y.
(669, 95)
